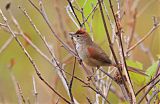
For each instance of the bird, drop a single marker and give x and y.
(91, 53)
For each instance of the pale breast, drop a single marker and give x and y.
(82, 52)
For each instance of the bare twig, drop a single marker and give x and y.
(6, 44)
(154, 94)
(71, 82)
(35, 90)
(3, 25)
(16, 87)
(143, 38)
(31, 60)
(143, 96)
(43, 14)
(38, 32)
(132, 28)
(70, 14)
(92, 11)
(119, 33)
(147, 84)
(60, 73)
(110, 44)
(74, 13)
(21, 93)
(89, 101)
(145, 49)
(57, 100)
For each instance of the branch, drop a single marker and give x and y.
(35, 90)
(31, 60)
(142, 97)
(74, 13)
(154, 94)
(71, 82)
(133, 100)
(147, 84)
(110, 44)
(6, 44)
(143, 38)
(43, 14)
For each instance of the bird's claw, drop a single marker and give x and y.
(80, 61)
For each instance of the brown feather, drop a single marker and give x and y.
(81, 31)
(98, 54)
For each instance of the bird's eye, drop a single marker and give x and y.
(78, 36)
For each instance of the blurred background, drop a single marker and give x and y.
(13, 61)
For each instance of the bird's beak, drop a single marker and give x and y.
(71, 34)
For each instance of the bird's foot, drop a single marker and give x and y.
(80, 61)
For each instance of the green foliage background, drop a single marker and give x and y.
(23, 69)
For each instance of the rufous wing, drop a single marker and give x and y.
(95, 52)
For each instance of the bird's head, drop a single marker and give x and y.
(81, 36)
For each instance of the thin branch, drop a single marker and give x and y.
(3, 25)
(43, 14)
(133, 100)
(92, 11)
(6, 44)
(153, 95)
(74, 13)
(143, 96)
(61, 74)
(110, 45)
(37, 31)
(16, 87)
(98, 92)
(132, 30)
(89, 101)
(31, 60)
(21, 93)
(147, 84)
(35, 90)
(70, 14)
(145, 49)
(143, 38)
(71, 82)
